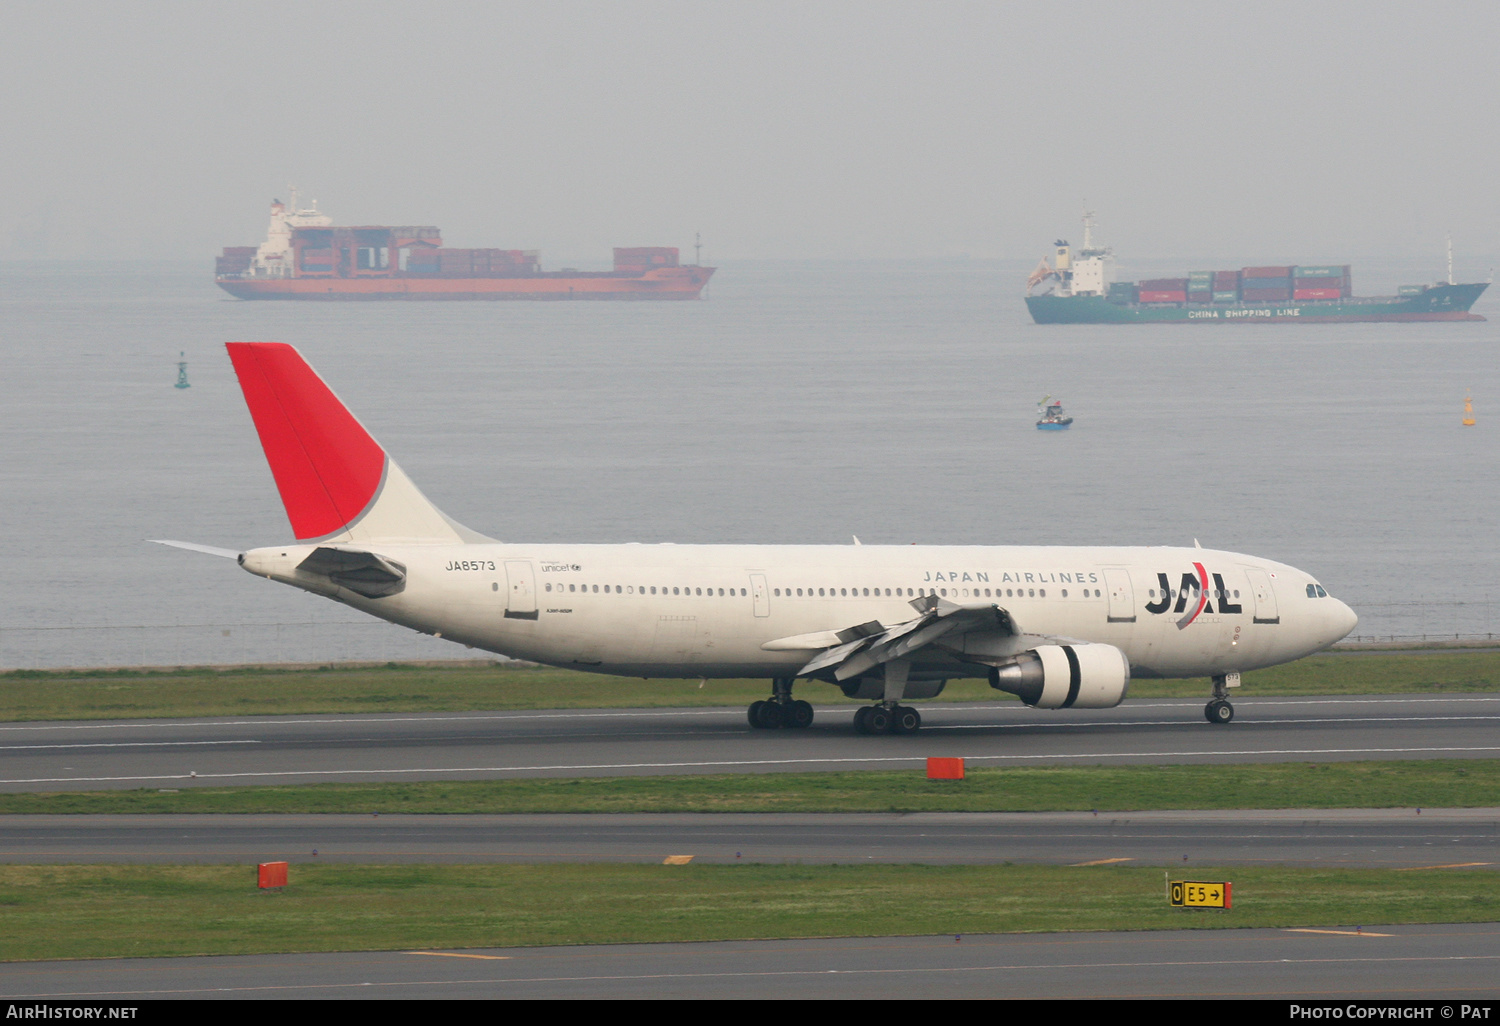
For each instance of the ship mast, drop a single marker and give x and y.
(1450, 258)
(1088, 226)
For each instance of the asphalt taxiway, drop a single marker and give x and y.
(599, 742)
(1379, 838)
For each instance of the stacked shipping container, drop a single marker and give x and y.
(1200, 286)
(1249, 285)
(1266, 284)
(1226, 287)
(1329, 282)
(236, 260)
(473, 263)
(1164, 290)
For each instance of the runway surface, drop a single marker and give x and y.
(1367, 963)
(1341, 837)
(601, 742)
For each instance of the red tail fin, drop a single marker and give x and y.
(327, 467)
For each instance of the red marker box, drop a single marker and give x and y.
(945, 769)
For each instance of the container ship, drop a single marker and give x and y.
(306, 257)
(1077, 290)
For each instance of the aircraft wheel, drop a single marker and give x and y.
(753, 713)
(878, 719)
(862, 720)
(905, 720)
(768, 716)
(798, 715)
(1218, 711)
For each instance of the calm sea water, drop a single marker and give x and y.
(801, 402)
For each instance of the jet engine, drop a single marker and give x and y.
(1066, 677)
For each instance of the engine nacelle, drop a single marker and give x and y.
(1066, 677)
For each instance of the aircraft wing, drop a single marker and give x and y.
(859, 649)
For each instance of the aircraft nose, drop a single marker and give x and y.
(1342, 621)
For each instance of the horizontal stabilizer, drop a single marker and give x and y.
(195, 547)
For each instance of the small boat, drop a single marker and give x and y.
(1053, 417)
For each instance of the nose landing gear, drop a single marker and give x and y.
(780, 710)
(1219, 711)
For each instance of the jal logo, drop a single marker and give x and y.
(1192, 596)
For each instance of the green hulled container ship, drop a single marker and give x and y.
(1076, 290)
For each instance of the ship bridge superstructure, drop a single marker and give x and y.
(304, 242)
(1085, 272)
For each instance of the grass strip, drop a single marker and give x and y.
(54, 912)
(115, 694)
(1437, 783)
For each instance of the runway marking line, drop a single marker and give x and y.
(1340, 933)
(676, 860)
(455, 954)
(1451, 865)
(1098, 862)
(1085, 724)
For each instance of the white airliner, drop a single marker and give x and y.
(1059, 627)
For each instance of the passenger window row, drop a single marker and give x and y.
(1213, 593)
(819, 592)
(631, 589)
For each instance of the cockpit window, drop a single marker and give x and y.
(1316, 591)
(1321, 592)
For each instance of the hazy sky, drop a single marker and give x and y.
(1247, 131)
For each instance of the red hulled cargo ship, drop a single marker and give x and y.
(305, 256)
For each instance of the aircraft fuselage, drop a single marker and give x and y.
(666, 610)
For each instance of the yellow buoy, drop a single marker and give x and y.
(1468, 411)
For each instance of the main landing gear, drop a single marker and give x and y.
(887, 719)
(780, 710)
(1219, 711)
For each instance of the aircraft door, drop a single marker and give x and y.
(761, 595)
(1263, 594)
(520, 600)
(1121, 595)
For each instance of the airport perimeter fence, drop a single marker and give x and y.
(27, 647)
(1417, 622)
